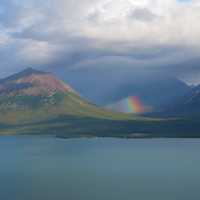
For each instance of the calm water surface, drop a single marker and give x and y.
(46, 168)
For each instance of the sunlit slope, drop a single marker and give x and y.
(21, 109)
(32, 95)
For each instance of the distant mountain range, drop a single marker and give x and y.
(151, 95)
(185, 106)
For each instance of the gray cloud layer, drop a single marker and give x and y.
(129, 36)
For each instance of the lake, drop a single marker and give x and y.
(48, 168)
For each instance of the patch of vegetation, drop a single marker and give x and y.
(67, 115)
(30, 101)
(66, 126)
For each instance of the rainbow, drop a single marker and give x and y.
(131, 104)
(135, 105)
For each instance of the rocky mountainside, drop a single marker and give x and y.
(32, 82)
(185, 106)
(36, 95)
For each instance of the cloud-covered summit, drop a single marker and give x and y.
(143, 35)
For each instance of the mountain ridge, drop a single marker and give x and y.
(32, 82)
(35, 95)
(25, 72)
(186, 106)
(152, 94)
(56, 110)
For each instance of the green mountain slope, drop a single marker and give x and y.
(34, 96)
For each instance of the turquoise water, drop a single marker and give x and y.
(46, 168)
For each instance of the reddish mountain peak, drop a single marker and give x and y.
(46, 81)
(33, 82)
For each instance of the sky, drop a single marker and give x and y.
(83, 40)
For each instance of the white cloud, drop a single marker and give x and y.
(176, 23)
(111, 20)
(36, 51)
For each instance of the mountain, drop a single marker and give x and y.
(185, 106)
(33, 95)
(151, 87)
(32, 83)
(149, 95)
(35, 102)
